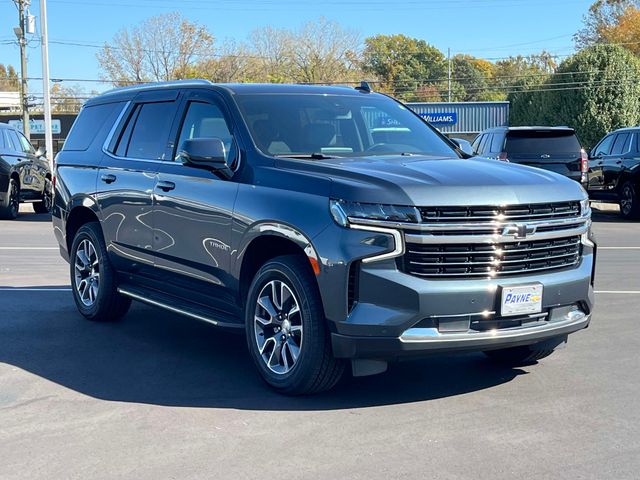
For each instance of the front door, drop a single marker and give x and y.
(193, 211)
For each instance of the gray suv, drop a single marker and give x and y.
(332, 226)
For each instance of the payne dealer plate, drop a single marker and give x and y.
(521, 300)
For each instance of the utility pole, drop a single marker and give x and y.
(48, 139)
(22, 40)
(449, 72)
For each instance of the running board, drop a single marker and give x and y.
(175, 305)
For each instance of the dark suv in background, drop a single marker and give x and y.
(288, 213)
(614, 171)
(552, 148)
(25, 175)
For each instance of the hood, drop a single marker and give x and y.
(435, 181)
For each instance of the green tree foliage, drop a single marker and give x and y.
(604, 18)
(471, 82)
(595, 91)
(403, 64)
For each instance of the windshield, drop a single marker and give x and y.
(540, 142)
(320, 126)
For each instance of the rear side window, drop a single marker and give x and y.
(147, 132)
(496, 143)
(86, 127)
(13, 140)
(621, 144)
(553, 142)
(483, 143)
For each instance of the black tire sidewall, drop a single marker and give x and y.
(107, 287)
(7, 212)
(634, 210)
(42, 206)
(314, 331)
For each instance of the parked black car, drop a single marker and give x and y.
(332, 226)
(25, 175)
(552, 148)
(614, 171)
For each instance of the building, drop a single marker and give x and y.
(463, 119)
(60, 126)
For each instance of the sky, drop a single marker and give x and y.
(489, 29)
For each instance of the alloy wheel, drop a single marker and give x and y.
(278, 327)
(87, 272)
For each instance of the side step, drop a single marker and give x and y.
(180, 306)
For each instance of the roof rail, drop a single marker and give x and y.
(169, 84)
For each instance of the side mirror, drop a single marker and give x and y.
(40, 152)
(464, 145)
(207, 153)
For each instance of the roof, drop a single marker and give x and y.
(627, 129)
(529, 128)
(233, 88)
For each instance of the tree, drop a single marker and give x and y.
(67, 99)
(597, 90)
(602, 17)
(8, 79)
(403, 64)
(470, 79)
(626, 32)
(163, 47)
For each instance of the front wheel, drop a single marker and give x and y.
(93, 280)
(629, 204)
(286, 329)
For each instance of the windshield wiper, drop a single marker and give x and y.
(312, 156)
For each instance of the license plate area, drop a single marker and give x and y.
(521, 300)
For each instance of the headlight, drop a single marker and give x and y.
(343, 210)
(584, 206)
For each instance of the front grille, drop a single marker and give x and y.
(490, 260)
(520, 213)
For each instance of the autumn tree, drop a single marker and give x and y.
(67, 99)
(403, 64)
(8, 78)
(163, 47)
(609, 21)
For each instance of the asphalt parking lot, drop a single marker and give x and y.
(161, 396)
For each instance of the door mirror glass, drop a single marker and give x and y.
(209, 153)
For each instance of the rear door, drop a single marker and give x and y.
(127, 177)
(557, 150)
(596, 163)
(612, 164)
(22, 165)
(193, 210)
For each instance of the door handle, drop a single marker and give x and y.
(618, 162)
(108, 178)
(165, 186)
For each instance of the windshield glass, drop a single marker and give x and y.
(337, 125)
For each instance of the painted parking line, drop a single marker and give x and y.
(29, 248)
(35, 289)
(618, 248)
(619, 292)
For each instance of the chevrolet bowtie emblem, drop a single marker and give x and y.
(518, 230)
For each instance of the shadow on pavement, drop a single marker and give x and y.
(27, 216)
(159, 358)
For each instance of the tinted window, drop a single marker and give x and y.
(14, 141)
(604, 147)
(340, 125)
(496, 143)
(621, 144)
(476, 143)
(205, 120)
(24, 144)
(151, 131)
(3, 141)
(542, 142)
(636, 141)
(90, 121)
(483, 144)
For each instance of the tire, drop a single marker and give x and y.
(44, 206)
(96, 299)
(296, 356)
(629, 204)
(10, 211)
(519, 356)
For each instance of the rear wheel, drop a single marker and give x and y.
(44, 206)
(10, 211)
(629, 204)
(93, 279)
(286, 329)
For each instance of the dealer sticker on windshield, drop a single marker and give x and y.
(521, 300)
